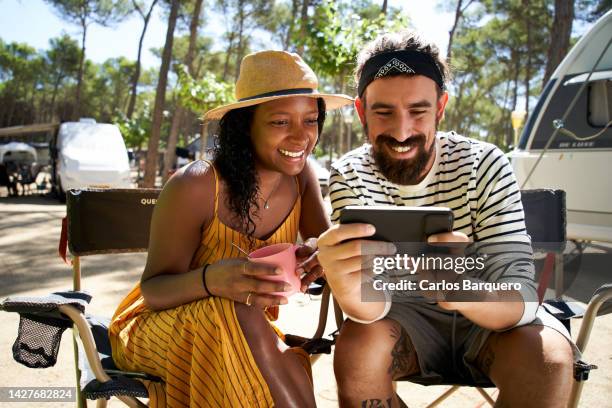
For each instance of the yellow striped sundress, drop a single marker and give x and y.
(198, 349)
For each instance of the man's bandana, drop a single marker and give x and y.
(403, 62)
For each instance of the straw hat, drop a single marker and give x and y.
(268, 75)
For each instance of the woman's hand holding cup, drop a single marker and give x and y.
(247, 282)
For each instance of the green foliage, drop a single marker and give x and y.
(491, 61)
(338, 31)
(63, 56)
(136, 130)
(84, 12)
(200, 95)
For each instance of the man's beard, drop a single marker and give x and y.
(402, 171)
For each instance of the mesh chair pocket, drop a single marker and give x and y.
(41, 325)
(38, 342)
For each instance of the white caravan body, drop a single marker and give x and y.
(583, 168)
(91, 155)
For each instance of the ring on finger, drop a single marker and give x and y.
(248, 299)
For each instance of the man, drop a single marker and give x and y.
(401, 100)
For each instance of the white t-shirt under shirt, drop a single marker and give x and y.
(472, 178)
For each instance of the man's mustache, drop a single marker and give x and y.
(412, 141)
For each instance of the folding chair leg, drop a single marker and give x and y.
(486, 396)
(80, 398)
(84, 332)
(601, 295)
(559, 272)
(76, 286)
(444, 396)
(323, 312)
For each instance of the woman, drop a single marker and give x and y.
(197, 318)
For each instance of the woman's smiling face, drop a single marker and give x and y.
(284, 132)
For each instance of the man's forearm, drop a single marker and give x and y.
(352, 303)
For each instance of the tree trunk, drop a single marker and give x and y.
(517, 67)
(77, 103)
(340, 124)
(58, 79)
(451, 33)
(228, 54)
(526, 8)
(240, 48)
(303, 20)
(160, 96)
(179, 114)
(294, 11)
(559, 36)
(136, 77)
(383, 10)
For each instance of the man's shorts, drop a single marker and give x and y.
(447, 344)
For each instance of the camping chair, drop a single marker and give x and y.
(102, 222)
(546, 222)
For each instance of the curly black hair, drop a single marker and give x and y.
(234, 158)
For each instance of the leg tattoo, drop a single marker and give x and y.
(487, 356)
(402, 354)
(376, 403)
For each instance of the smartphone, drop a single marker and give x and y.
(400, 224)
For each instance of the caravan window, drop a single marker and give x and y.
(592, 110)
(600, 103)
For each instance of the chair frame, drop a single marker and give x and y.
(554, 264)
(82, 331)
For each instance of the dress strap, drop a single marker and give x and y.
(297, 183)
(212, 166)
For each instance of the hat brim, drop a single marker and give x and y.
(332, 101)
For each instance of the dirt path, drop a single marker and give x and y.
(29, 265)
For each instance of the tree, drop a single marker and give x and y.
(84, 13)
(559, 36)
(459, 11)
(63, 59)
(146, 16)
(497, 59)
(334, 36)
(22, 73)
(170, 156)
(241, 17)
(160, 97)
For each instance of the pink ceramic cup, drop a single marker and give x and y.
(283, 256)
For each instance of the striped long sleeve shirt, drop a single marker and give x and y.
(472, 178)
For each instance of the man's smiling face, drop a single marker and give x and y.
(400, 116)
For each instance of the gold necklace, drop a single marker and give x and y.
(266, 205)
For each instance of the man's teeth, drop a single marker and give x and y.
(401, 149)
(291, 154)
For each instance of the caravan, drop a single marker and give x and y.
(88, 154)
(567, 141)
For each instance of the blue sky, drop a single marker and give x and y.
(35, 22)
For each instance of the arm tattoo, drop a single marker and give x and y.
(376, 403)
(402, 356)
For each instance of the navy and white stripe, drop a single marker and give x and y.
(472, 178)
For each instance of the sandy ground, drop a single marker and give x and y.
(29, 265)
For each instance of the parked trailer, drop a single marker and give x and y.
(567, 141)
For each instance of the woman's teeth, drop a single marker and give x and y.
(401, 149)
(291, 154)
